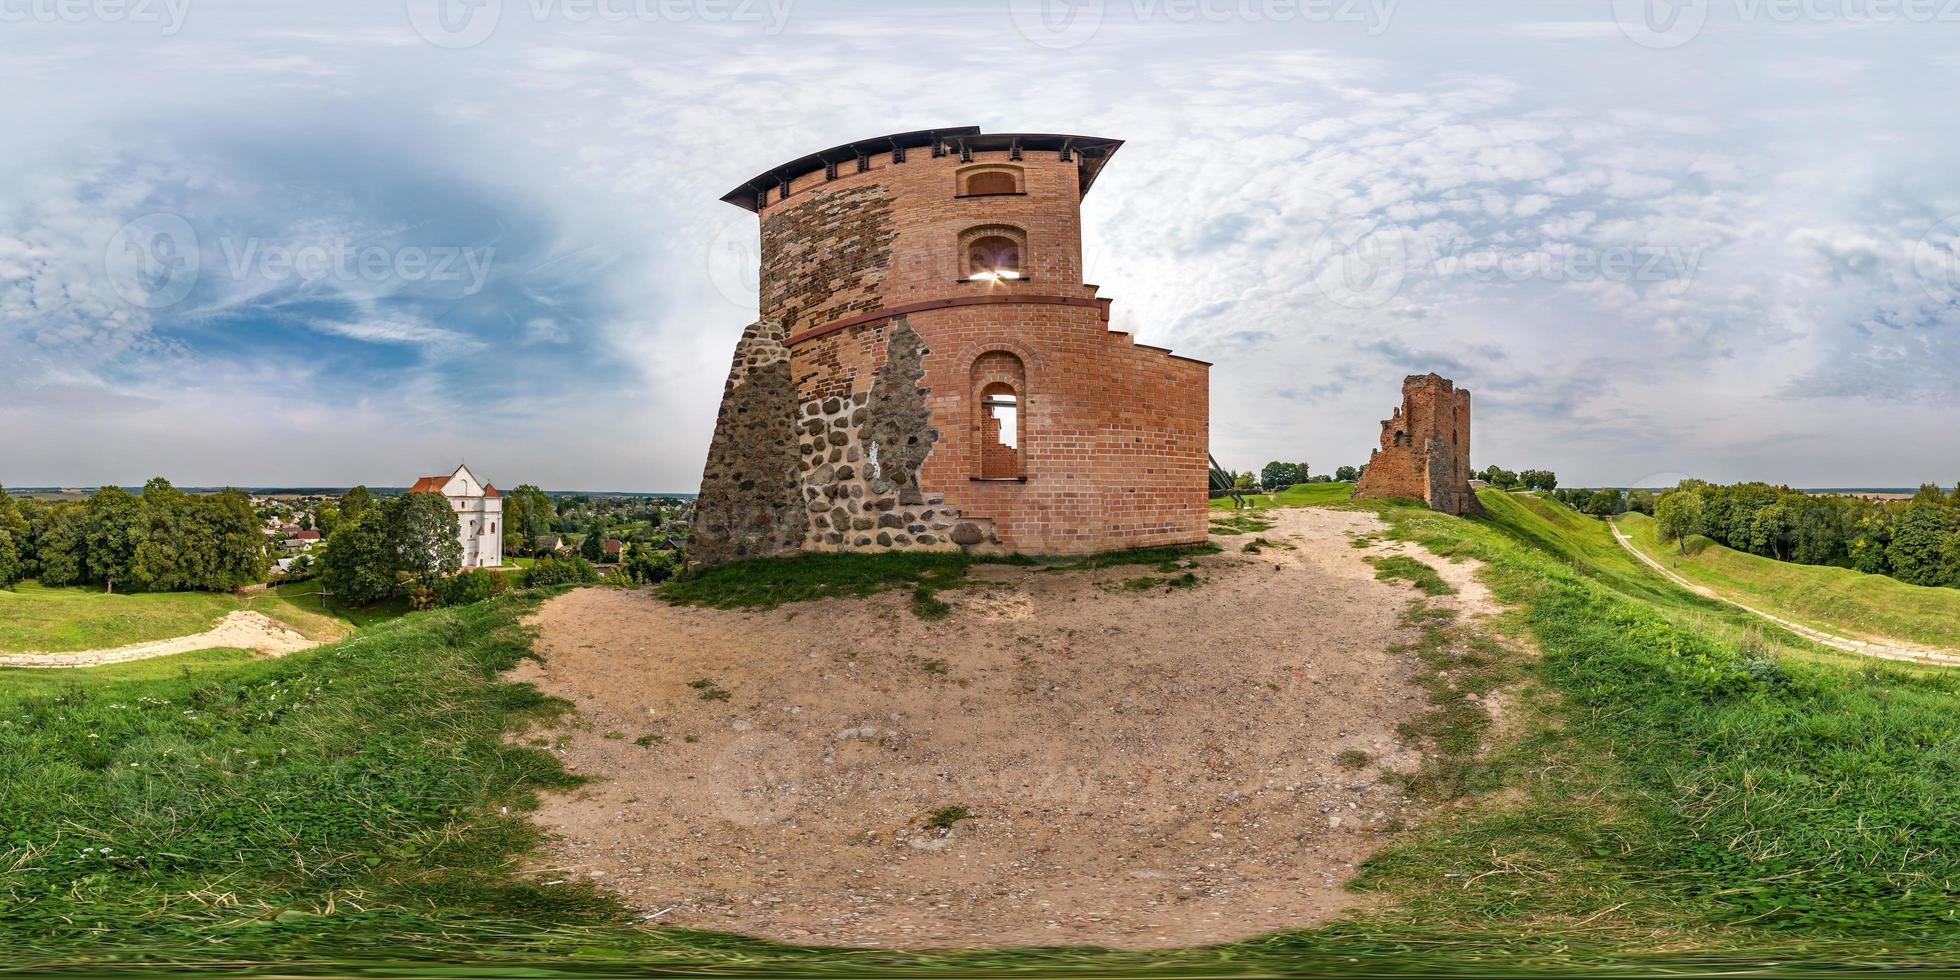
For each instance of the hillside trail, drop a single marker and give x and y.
(238, 630)
(1883, 648)
(1088, 757)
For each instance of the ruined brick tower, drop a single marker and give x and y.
(929, 371)
(1425, 450)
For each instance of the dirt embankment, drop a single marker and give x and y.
(1111, 766)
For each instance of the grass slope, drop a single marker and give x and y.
(1836, 599)
(1705, 783)
(36, 618)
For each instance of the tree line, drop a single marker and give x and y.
(1503, 479)
(1278, 475)
(1915, 541)
(163, 540)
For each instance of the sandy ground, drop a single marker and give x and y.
(1883, 648)
(238, 630)
(1141, 768)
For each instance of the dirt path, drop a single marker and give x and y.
(1883, 648)
(239, 629)
(1138, 767)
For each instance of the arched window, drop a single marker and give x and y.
(991, 182)
(1000, 417)
(1000, 432)
(994, 257)
(988, 179)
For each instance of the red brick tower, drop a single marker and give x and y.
(942, 376)
(1425, 448)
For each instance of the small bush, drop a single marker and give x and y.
(560, 571)
(464, 588)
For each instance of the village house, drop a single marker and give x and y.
(479, 514)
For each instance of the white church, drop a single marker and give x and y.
(479, 514)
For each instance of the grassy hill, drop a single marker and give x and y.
(40, 619)
(1837, 599)
(1667, 788)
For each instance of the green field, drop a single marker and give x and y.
(36, 618)
(1669, 789)
(1839, 600)
(1297, 495)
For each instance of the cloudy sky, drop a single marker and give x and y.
(293, 243)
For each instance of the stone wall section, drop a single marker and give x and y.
(862, 450)
(750, 504)
(1425, 449)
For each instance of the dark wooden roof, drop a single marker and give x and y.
(1089, 152)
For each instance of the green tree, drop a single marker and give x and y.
(161, 538)
(1277, 474)
(358, 565)
(528, 514)
(13, 541)
(328, 518)
(1679, 514)
(1605, 503)
(235, 550)
(113, 529)
(593, 547)
(1871, 532)
(61, 546)
(1346, 474)
(354, 503)
(426, 534)
(1919, 539)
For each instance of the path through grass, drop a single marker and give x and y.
(1837, 599)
